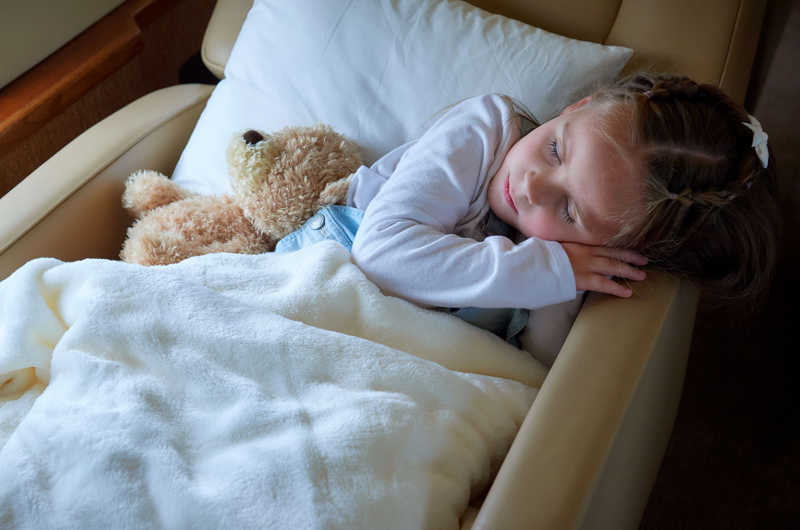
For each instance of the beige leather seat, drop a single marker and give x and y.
(591, 446)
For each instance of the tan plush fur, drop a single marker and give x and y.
(279, 181)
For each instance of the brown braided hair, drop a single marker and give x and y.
(711, 211)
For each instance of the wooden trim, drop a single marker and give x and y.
(40, 94)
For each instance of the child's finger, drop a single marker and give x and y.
(628, 256)
(614, 267)
(605, 285)
(629, 272)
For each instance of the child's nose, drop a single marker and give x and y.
(537, 189)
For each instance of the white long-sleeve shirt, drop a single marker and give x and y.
(421, 237)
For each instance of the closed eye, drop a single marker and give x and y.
(565, 213)
(554, 151)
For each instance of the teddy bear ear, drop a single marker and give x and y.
(252, 137)
(250, 155)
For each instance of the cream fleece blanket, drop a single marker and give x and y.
(232, 391)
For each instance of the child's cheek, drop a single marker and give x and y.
(541, 226)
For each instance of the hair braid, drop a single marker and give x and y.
(711, 207)
(683, 88)
(672, 87)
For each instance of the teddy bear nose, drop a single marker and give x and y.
(252, 137)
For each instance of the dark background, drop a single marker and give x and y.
(733, 461)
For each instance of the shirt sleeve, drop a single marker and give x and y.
(406, 243)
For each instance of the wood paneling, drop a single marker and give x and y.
(138, 48)
(49, 88)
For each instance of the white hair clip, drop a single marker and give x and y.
(759, 140)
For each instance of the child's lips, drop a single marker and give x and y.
(507, 193)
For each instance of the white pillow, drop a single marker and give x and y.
(379, 71)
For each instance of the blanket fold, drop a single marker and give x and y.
(269, 391)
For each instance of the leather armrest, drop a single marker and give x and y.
(39, 221)
(223, 28)
(589, 450)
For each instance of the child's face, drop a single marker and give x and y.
(563, 182)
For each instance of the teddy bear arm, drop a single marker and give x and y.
(336, 192)
(192, 227)
(147, 190)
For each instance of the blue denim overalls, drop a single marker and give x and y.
(340, 223)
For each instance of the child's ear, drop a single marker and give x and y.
(577, 105)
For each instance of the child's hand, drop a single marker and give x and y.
(593, 265)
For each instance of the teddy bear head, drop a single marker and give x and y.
(281, 179)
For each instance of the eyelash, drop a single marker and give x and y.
(565, 210)
(565, 213)
(554, 150)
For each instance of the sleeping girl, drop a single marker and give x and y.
(489, 219)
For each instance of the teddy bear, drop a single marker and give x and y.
(279, 181)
